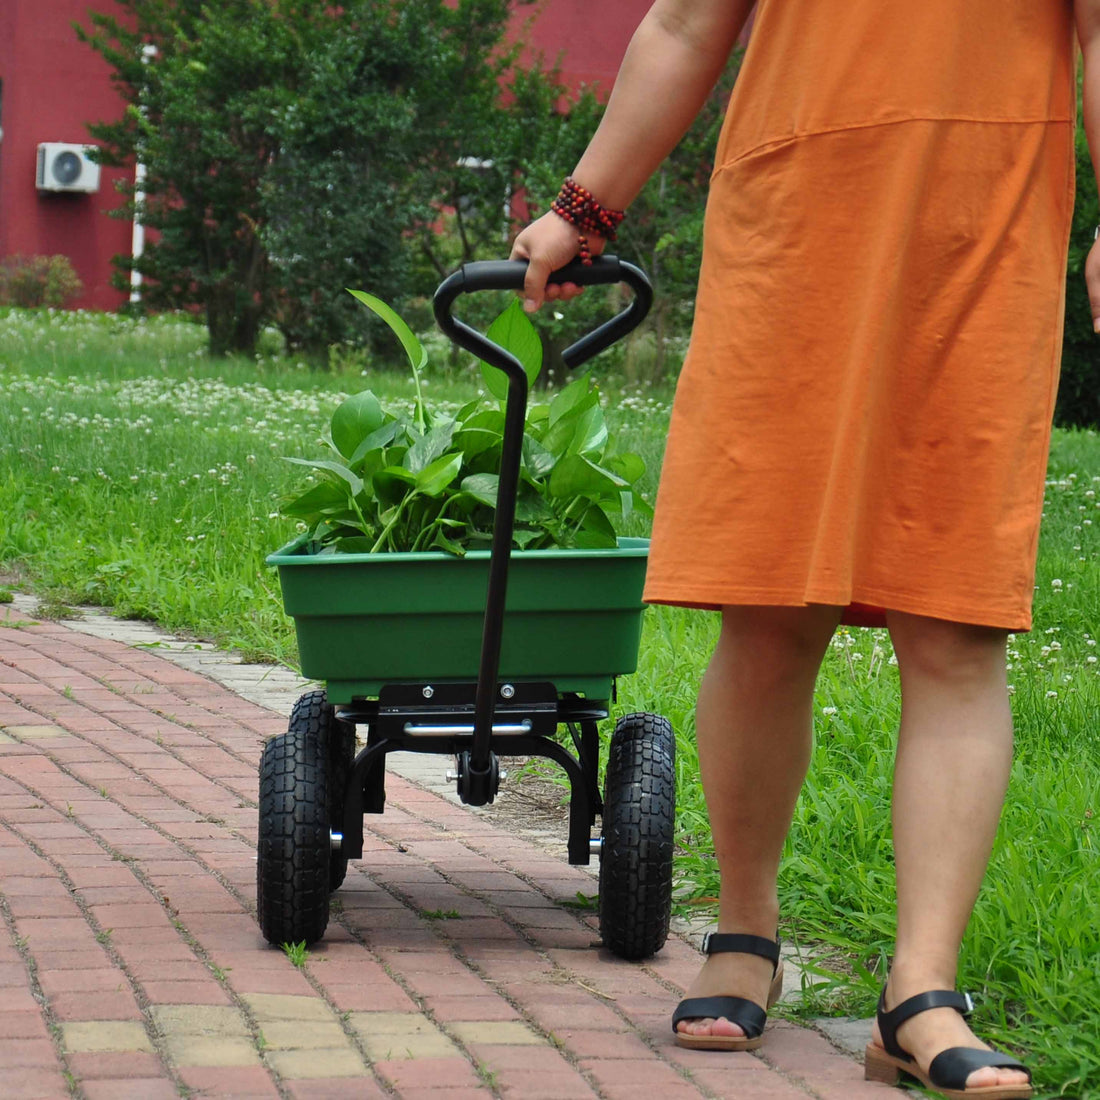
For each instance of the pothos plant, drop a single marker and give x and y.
(397, 481)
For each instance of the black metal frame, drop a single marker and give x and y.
(473, 720)
(448, 711)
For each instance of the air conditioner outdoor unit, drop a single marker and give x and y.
(64, 167)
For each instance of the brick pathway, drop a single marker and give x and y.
(132, 968)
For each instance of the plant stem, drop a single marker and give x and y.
(393, 521)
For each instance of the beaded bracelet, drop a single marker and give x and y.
(576, 205)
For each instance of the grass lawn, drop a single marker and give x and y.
(138, 474)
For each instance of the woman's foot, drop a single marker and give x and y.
(726, 973)
(938, 1029)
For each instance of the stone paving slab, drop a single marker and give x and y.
(131, 964)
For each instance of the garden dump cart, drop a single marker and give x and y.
(480, 656)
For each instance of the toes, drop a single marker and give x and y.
(707, 1026)
(723, 1027)
(990, 1077)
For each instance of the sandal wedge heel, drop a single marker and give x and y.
(949, 1070)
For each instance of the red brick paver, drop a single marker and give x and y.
(131, 963)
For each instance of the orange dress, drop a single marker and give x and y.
(864, 414)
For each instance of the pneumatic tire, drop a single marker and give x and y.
(294, 856)
(314, 716)
(635, 899)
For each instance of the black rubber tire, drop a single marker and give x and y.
(294, 852)
(635, 900)
(314, 716)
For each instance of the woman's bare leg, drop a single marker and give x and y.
(753, 724)
(953, 762)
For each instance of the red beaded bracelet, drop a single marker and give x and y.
(576, 205)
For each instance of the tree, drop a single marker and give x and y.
(1079, 390)
(290, 146)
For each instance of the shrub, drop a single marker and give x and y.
(30, 281)
(1079, 391)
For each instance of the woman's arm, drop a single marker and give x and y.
(673, 61)
(1088, 28)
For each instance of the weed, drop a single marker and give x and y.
(297, 953)
(581, 901)
(104, 936)
(487, 1075)
(440, 914)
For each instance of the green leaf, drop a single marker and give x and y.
(391, 484)
(590, 435)
(596, 525)
(429, 447)
(418, 357)
(375, 441)
(523, 537)
(513, 331)
(436, 476)
(537, 460)
(316, 499)
(531, 507)
(569, 398)
(443, 543)
(630, 467)
(482, 487)
(468, 410)
(354, 420)
(481, 432)
(353, 480)
(354, 544)
(538, 416)
(575, 476)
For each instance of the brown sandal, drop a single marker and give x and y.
(748, 1015)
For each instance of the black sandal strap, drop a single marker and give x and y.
(750, 1017)
(889, 1022)
(951, 1068)
(740, 943)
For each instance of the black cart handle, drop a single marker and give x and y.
(478, 764)
(510, 275)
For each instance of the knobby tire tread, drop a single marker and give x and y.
(635, 899)
(294, 858)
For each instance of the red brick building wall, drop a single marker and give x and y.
(51, 84)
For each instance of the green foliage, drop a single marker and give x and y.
(30, 281)
(429, 481)
(1079, 390)
(297, 953)
(291, 146)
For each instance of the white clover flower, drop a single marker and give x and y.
(828, 711)
(1052, 695)
(1056, 583)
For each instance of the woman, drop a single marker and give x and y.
(860, 431)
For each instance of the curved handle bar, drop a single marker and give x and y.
(509, 275)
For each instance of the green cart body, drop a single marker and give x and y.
(573, 617)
